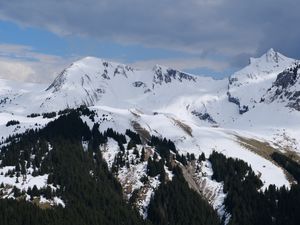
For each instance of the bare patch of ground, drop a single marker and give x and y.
(186, 128)
(144, 134)
(263, 149)
(44, 205)
(188, 174)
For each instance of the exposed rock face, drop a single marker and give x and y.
(286, 88)
(204, 116)
(235, 100)
(166, 75)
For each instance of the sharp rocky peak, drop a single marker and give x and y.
(270, 57)
(265, 65)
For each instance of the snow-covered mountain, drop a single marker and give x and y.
(248, 116)
(247, 86)
(93, 81)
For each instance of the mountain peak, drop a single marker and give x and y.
(271, 51)
(88, 60)
(261, 72)
(273, 56)
(157, 67)
(272, 62)
(270, 57)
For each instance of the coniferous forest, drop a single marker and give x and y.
(92, 195)
(90, 198)
(246, 203)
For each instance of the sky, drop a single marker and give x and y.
(38, 38)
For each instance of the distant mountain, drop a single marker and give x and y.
(93, 81)
(248, 85)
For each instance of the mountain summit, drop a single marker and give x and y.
(257, 77)
(271, 56)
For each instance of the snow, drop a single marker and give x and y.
(212, 190)
(148, 195)
(85, 145)
(109, 151)
(207, 139)
(130, 177)
(58, 201)
(24, 182)
(25, 124)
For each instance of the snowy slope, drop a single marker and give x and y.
(15, 96)
(200, 139)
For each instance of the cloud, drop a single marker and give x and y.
(225, 27)
(184, 64)
(22, 63)
(15, 70)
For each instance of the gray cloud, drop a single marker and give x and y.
(183, 64)
(226, 27)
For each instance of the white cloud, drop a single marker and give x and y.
(15, 70)
(22, 63)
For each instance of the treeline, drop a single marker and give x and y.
(83, 110)
(246, 203)
(291, 166)
(175, 202)
(12, 123)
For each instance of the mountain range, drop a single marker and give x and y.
(250, 115)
